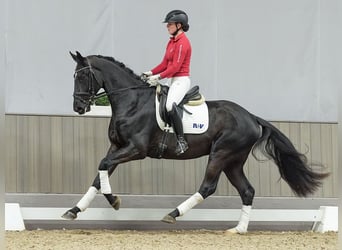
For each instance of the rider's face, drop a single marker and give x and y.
(171, 28)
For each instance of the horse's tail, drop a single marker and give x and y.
(293, 166)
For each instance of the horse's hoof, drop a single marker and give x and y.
(68, 215)
(169, 219)
(234, 231)
(117, 203)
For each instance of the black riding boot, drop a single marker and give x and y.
(177, 125)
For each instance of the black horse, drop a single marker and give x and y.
(134, 134)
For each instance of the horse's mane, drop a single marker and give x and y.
(121, 65)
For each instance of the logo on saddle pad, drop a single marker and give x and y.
(195, 123)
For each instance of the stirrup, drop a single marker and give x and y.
(182, 146)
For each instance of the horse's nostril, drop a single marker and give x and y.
(79, 110)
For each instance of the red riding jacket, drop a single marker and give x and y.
(176, 61)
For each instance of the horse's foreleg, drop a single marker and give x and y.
(82, 205)
(102, 181)
(107, 166)
(89, 196)
(246, 191)
(207, 188)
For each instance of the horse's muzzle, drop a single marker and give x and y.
(81, 108)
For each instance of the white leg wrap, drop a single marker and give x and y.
(190, 203)
(104, 181)
(84, 203)
(244, 219)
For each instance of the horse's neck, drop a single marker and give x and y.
(115, 77)
(130, 101)
(113, 83)
(126, 92)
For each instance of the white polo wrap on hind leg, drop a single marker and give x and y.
(104, 182)
(244, 219)
(89, 196)
(190, 203)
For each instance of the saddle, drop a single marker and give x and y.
(192, 98)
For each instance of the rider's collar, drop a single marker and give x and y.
(177, 37)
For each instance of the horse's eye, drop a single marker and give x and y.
(81, 77)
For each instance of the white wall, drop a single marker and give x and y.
(275, 58)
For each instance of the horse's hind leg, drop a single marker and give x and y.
(207, 188)
(238, 179)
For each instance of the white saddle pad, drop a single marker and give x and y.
(197, 123)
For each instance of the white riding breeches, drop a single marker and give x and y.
(178, 88)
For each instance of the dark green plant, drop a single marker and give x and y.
(102, 101)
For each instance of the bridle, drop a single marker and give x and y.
(90, 96)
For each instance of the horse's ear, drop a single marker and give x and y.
(78, 58)
(73, 56)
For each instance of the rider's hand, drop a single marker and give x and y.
(144, 75)
(153, 80)
(147, 73)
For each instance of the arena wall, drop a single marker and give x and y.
(60, 154)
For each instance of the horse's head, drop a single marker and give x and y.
(86, 83)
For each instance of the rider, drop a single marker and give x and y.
(175, 66)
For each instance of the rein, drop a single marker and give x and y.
(117, 91)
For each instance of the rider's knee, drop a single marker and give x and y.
(169, 106)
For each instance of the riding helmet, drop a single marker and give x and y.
(178, 16)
